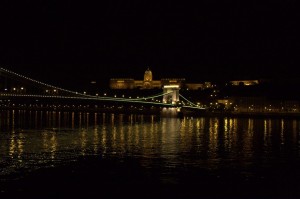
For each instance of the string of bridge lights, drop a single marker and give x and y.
(86, 98)
(188, 100)
(100, 99)
(69, 91)
(41, 83)
(89, 97)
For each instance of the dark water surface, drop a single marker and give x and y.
(95, 155)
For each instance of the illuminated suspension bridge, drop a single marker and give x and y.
(34, 89)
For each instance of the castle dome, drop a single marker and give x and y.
(148, 75)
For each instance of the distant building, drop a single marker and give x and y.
(194, 86)
(244, 82)
(122, 83)
(149, 83)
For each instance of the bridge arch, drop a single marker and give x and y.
(171, 94)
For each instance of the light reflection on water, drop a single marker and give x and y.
(34, 139)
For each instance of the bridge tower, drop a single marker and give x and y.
(171, 94)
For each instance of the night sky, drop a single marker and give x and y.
(67, 43)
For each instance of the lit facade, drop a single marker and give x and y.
(122, 83)
(244, 82)
(149, 83)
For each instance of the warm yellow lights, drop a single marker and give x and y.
(171, 86)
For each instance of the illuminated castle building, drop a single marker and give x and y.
(244, 82)
(147, 83)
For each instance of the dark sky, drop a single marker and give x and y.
(69, 42)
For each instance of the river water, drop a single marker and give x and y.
(211, 157)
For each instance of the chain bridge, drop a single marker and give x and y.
(21, 92)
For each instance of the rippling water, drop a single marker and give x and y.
(179, 148)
